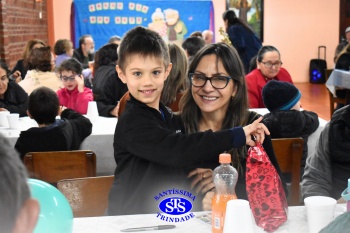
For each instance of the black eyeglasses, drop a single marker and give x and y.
(218, 82)
(269, 64)
(66, 79)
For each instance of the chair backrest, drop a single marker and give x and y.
(57, 165)
(333, 100)
(88, 197)
(289, 152)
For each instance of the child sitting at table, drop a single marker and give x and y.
(285, 119)
(52, 134)
(150, 148)
(74, 95)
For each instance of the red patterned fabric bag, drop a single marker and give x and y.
(265, 191)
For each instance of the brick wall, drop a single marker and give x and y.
(20, 22)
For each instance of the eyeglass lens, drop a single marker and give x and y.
(217, 82)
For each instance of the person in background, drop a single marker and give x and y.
(175, 84)
(343, 43)
(285, 119)
(85, 53)
(114, 39)
(150, 148)
(74, 95)
(242, 37)
(342, 63)
(12, 97)
(217, 100)
(52, 134)
(19, 212)
(269, 64)
(41, 64)
(192, 45)
(63, 50)
(207, 36)
(196, 34)
(327, 170)
(20, 70)
(107, 87)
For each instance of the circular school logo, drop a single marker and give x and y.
(175, 205)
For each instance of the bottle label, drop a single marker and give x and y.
(217, 220)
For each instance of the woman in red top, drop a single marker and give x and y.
(269, 64)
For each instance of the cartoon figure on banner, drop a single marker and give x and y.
(176, 27)
(158, 24)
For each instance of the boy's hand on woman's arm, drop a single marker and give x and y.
(257, 131)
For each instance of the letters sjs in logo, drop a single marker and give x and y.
(175, 205)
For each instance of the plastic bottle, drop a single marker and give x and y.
(225, 179)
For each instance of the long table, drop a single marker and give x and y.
(100, 141)
(296, 223)
(338, 78)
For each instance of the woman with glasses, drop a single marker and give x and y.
(217, 100)
(12, 97)
(269, 64)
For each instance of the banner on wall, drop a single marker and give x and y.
(174, 20)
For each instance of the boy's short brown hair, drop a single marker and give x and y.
(144, 42)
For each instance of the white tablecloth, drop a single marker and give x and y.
(338, 78)
(312, 140)
(100, 141)
(296, 223)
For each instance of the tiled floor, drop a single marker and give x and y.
(315, 98)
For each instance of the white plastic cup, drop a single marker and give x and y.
(319, 212)
(238, 217)
(92, 112)
(3, 118)
(13, 120)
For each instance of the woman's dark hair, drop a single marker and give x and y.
(232, 19)
(265, 49)
(43, 105)
(62, 46)
(106, 55)
(4, 66)
(40, 59)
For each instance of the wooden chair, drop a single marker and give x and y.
(88, 197)
(333, 100)
(289, 152)
(57, 165)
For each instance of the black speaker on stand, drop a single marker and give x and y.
(317, 68)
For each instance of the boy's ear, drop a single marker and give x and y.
(167, 71)
(28, 113)
(120, 73)
(27, 217)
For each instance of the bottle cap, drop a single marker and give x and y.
(225, 158)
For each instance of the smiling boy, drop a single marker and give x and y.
(150, 148)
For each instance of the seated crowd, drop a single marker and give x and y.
(205, 84)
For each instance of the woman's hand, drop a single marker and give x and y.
(3, 109)
(256, 131)
(61, 109)
(207, 200)
(202, 181)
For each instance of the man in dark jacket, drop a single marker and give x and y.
(85, 53)
(52, 134)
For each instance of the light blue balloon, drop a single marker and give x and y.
(56, 215)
